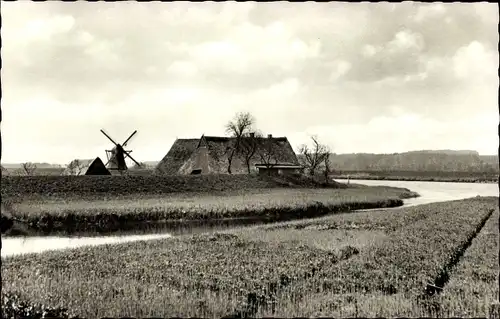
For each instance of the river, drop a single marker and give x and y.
(430, 192)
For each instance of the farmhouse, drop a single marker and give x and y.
(212, 154)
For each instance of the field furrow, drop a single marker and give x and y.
(396, 269)
(473, 283)
(265, 271)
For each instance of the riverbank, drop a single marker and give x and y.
(72, 214)
(390, 255)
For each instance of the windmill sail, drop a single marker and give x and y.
(116, 156)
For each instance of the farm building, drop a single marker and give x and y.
(97, 168)
(280, 169)
(211, 154)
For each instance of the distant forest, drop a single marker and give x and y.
(431, 161)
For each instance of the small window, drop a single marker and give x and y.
(196, 172)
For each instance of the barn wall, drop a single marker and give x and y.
(288, 171)
(278, 171)
(268, 171)
(201, 160)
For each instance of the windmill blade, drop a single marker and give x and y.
(128, 139)
(108, 137)
(109, 160)
(128, 155)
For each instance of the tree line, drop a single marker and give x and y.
(415, 161)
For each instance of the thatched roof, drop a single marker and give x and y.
(180, 151)
(219, 148)
(280, 147)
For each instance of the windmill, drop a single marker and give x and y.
(116, 156)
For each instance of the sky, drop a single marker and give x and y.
(362, 77)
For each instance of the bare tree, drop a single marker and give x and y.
(28, 168)
(248, 147)
(314, 156)
(267, 153)
(75, 167)
(240, 126)
(327, 169)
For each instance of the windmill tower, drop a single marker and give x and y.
(116, 156)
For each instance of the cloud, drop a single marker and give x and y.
(406, 41)
(400, 56)
(369, 50)
(475, 62)
(248, 47)
(342, 67)
(433, 11)
(183, 69)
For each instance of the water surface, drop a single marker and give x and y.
(432, 192)
(26, 245)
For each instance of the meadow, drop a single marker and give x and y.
(109, 203)
(378, 263)
(17, 187)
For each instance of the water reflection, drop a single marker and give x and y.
(25, 245)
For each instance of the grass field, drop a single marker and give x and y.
(15, 187)
(364, 264)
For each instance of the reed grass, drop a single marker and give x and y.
(60, 213)
(273, 275)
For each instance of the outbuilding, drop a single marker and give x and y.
(279, 169)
